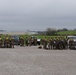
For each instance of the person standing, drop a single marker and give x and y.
(1, 41)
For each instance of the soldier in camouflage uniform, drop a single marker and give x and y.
(35, 41)
(6, 42)
(11, 39)
(45, 43)
(48, 42)
(71, 43)
(1, 42)
(30, 41)
(65, 43)
(26, 41)
(60, 43)
(51, 43)
(54, 43)
(22, 41)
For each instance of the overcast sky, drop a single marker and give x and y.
(37, 14)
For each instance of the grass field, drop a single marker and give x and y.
(70, 32)
(41, 36)
(60, 34)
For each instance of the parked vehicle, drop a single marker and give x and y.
(72, 42)
(16, 39)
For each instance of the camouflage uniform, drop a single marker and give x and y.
(60, 43)
(35, 41)
(51, 43)
(26, 41)
(30, 41)
(70, 43)
(65, 43)
(54, 43)
(1, 42)
(6, 42)
(11, 39)
(21, 41)
(45, 43)
(48, 43)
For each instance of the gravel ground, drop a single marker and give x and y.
(34, 61)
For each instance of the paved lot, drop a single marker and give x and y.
(34, 61)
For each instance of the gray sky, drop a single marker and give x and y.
(37, 14)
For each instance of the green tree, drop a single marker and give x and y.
(51, 31)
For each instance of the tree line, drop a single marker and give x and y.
(54, 32)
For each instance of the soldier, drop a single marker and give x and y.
(68, 42)
(42, 41)
(65, 43)
(48, 42)
(1, 41)
(51, 43)
(60, 44)
(71, 43)
(54, 43)
(26, 41)
(21, 41)
(45, 43)
(11, 39)
(6, 42)
(35, 41)
(30, 41)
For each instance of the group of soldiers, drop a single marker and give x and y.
(56, 43)
(45, 43)
(49, 43)
(29, 41)
(7, 42)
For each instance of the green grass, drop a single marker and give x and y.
(70, 32)
(41, 36)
